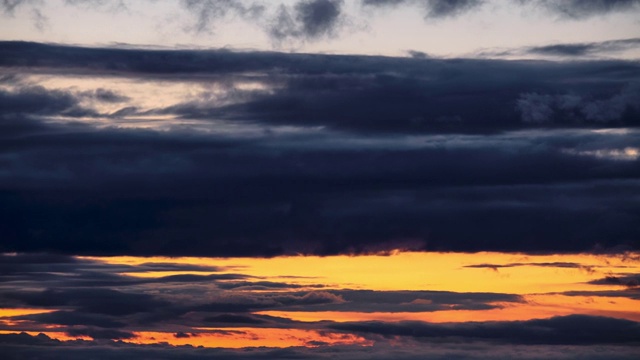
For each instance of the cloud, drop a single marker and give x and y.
(545, 108)
(566, 330)
(629, 292)
(434, 9)
(9, 6)
(117, 5)
(37, 100)
(75, 318)
(566, 265)
(585, 49)
(321, 154)
(24, 346)
(98, 334)
(581, 9)
(307, 20)
(207, 12)
(369, 301)
(631, 281)
(234, 319)
(101, 301)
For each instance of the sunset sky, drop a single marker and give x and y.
(319, 179)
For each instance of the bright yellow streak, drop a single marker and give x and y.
(22, 312)
(423, 271)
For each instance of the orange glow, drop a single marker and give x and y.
(22, 312)
(421, 271)
(235, 338)
(251, 337)
(540, 280)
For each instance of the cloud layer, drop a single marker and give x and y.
(274, 153)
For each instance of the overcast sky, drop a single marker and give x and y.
(438, 28)
(320, 179)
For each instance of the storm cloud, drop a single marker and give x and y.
(327, 154)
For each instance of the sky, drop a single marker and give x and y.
(312, 179)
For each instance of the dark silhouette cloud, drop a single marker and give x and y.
(234, 319)
(24, 346)
(546, 108)
(567, 330)
(101, 301)
(567, 265)
(37, 100)
(631, 280)
(98, 334)
(411, 301)
(580, 9)
(306, 20)
(75, 318)
(433, 9)
(584, 49)
(628, 292)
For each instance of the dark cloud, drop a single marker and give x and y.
(386, 153)
(37, 100)
(567, 265)
(340, 212)
(546, 108)
(49, 270)
(234, 319)
(262, 285)
(629, 292)
(24, 346)
(584, 49)
(411, 301)
(182, 335)
(306, 20)
(75, 318)
(632, 280)
(339, 222)
(581, 9)
(444, 8)
(101, 301)
(433, 8)
(9, 6)
(207, 12)
(566, 330)
(105, 95)
(98, 334)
